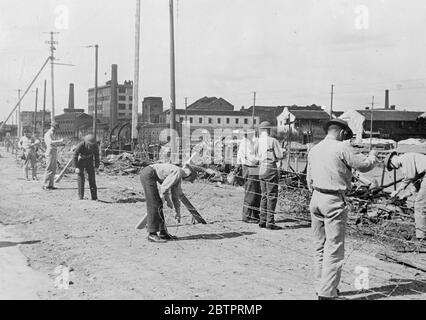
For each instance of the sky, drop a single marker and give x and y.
(288, 51)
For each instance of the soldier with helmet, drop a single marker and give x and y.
(86, 158)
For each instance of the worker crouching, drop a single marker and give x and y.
(169, 178)
(86, 157)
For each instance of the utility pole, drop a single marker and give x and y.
(136, 76)
(172, 78)
(18, 115)
(43, 119)
(186, 109)
(371, 124)
(332, 101)
(52, 43)
(254, 107)
(35, 113)
(95, 110)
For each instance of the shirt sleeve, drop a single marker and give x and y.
(278, 150)
(77, 153)
(172, 179)
(176, 191)
(357, 160)
(48, 139)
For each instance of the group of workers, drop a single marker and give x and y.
(329, 176)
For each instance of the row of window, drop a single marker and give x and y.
(122, 106)
(218, 120)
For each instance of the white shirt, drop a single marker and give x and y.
(330, 165)
(246, 155)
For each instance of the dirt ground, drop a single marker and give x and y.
(225, 259)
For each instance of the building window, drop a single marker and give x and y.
(200, 120)
(219, 120)
(122, 106)
(210, 120)
(255, 121)
(131, 98)
(228, 121)
(122, 90)
(191, 120)
(122, 98)
(130, 106)
(237, 121)
(182, 119)
(246, 121)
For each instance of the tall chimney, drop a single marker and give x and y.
(387, 100)
(71, 97)
(114, 96)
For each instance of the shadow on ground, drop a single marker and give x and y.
(216, 236)
(6, 244)
(401, 288)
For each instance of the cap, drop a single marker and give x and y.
(342, 124)
(265, 125)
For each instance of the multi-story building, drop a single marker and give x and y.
(27, 119)
(152, 108)
(113, 107)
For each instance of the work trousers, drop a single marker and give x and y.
(420, 211)
(269, 180)
(30, 162)
(87, 165)
(51, 165)
(252, 194)
(329, 216)
(154, 204)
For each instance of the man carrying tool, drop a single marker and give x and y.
(329, 176)
(86, 157)
(247, 158)
(51, 156)
(169, 178)
(269, 153)
(413, 168)
(28, 144)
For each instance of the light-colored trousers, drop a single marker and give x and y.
(329, 216)
(51, 164)
(30, 161)
(420, 211)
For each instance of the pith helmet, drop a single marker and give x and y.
(90, 139)
(342, 124)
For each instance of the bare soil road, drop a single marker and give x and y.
(109, 259)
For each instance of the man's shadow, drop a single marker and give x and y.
(402, 287)
(7, 244)
(216, 236)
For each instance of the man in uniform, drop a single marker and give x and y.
(86, 157)
(329, 176)
(413, 168)
(247, 158)
(269, 153)
(51, 156)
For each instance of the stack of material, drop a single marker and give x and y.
(123, 164)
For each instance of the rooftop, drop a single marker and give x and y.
(391, 115)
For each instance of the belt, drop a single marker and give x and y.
(331, 192)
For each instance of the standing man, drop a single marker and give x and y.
(247, 158)
(28, 144)
(413, 168)
(86, 157)
(269, 153)
(169, 178)
(51, 156)
(329, 176)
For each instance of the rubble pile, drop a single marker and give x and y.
(122, 164)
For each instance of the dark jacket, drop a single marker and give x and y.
(86, 152)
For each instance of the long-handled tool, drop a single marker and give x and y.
(61, 175)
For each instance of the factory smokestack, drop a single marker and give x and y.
(114, 95)
(387, 99)
(71, 97)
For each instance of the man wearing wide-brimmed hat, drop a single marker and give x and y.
(247, 158)
(269, 153)
(413, 168)
(329, 176)
(51, 156)
(86, 157)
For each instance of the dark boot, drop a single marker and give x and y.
(94, 193)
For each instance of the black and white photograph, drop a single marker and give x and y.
(212, 155)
